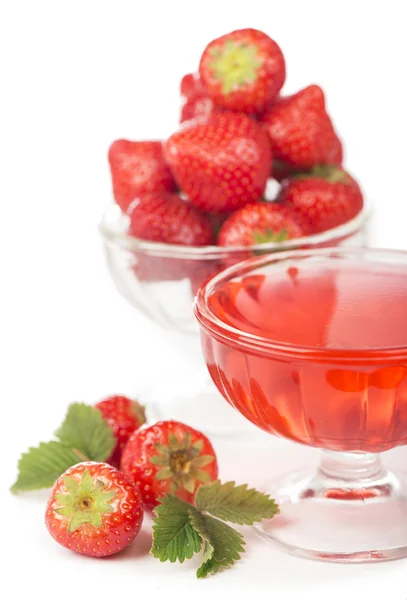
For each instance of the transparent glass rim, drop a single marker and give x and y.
(266, 346)
(118, 237)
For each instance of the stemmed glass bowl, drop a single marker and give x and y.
(161, 280)
(311, 345)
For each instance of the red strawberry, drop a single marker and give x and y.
(282, 170)
(94, 509)
(336, 156)
(325, 198)
(138, 168)
(300, 130)
(221, 164)
(260, 223)
(197, 103)
(201, 107)
(169, 457)
(191, 86)
(243, 70)
(124, 416)
(167, 218)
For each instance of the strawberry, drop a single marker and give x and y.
(336, 157)
(260, 223)
(282, 170)
(326, 197)
(301, 131)
(197, 103)
(221, 164)
(200, 107)
(169, 457)
(191, 86)
(138, 168)
(94, 509)
(167, 218)
(124, 416)
(243, 70)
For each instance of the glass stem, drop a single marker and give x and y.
(353, 467)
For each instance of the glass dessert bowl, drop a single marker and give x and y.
(311, 345)
(161, 280)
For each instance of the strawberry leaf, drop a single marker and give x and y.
(181, 529)
(174, 538)
(223, 544)
(40, 467)
(86, 430)
(236, 504)
(268, 236)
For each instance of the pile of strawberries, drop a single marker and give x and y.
(97, 508)
(206, 184)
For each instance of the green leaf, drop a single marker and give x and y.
(173, 441)
(105, 497)
(202, 476)
(65, 511)
(198, 445)
(85, 430)
(86, 486)
(186, 441)
(79, 519)
(268, 236)
(236, 504)
(65, 499)
(162, 448)
(40, 467)
(70, 484)
(159, 459)
(208, 551)
(105, 508)
(223, 544)
(96, 519)
(164, 473)
(174, 538)
(188, 483)
(202, 461)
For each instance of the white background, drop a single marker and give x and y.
(74, 76)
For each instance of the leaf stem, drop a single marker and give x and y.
(80, 455)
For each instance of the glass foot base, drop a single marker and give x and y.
(192, 398)
(326, 517)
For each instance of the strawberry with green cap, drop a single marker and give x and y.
(324, 198)
(260, 223)
(169, 457)
(94, 509)
(242, 70)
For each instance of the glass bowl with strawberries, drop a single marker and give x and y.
(248, 172)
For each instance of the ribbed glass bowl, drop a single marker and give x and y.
(162, 279)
